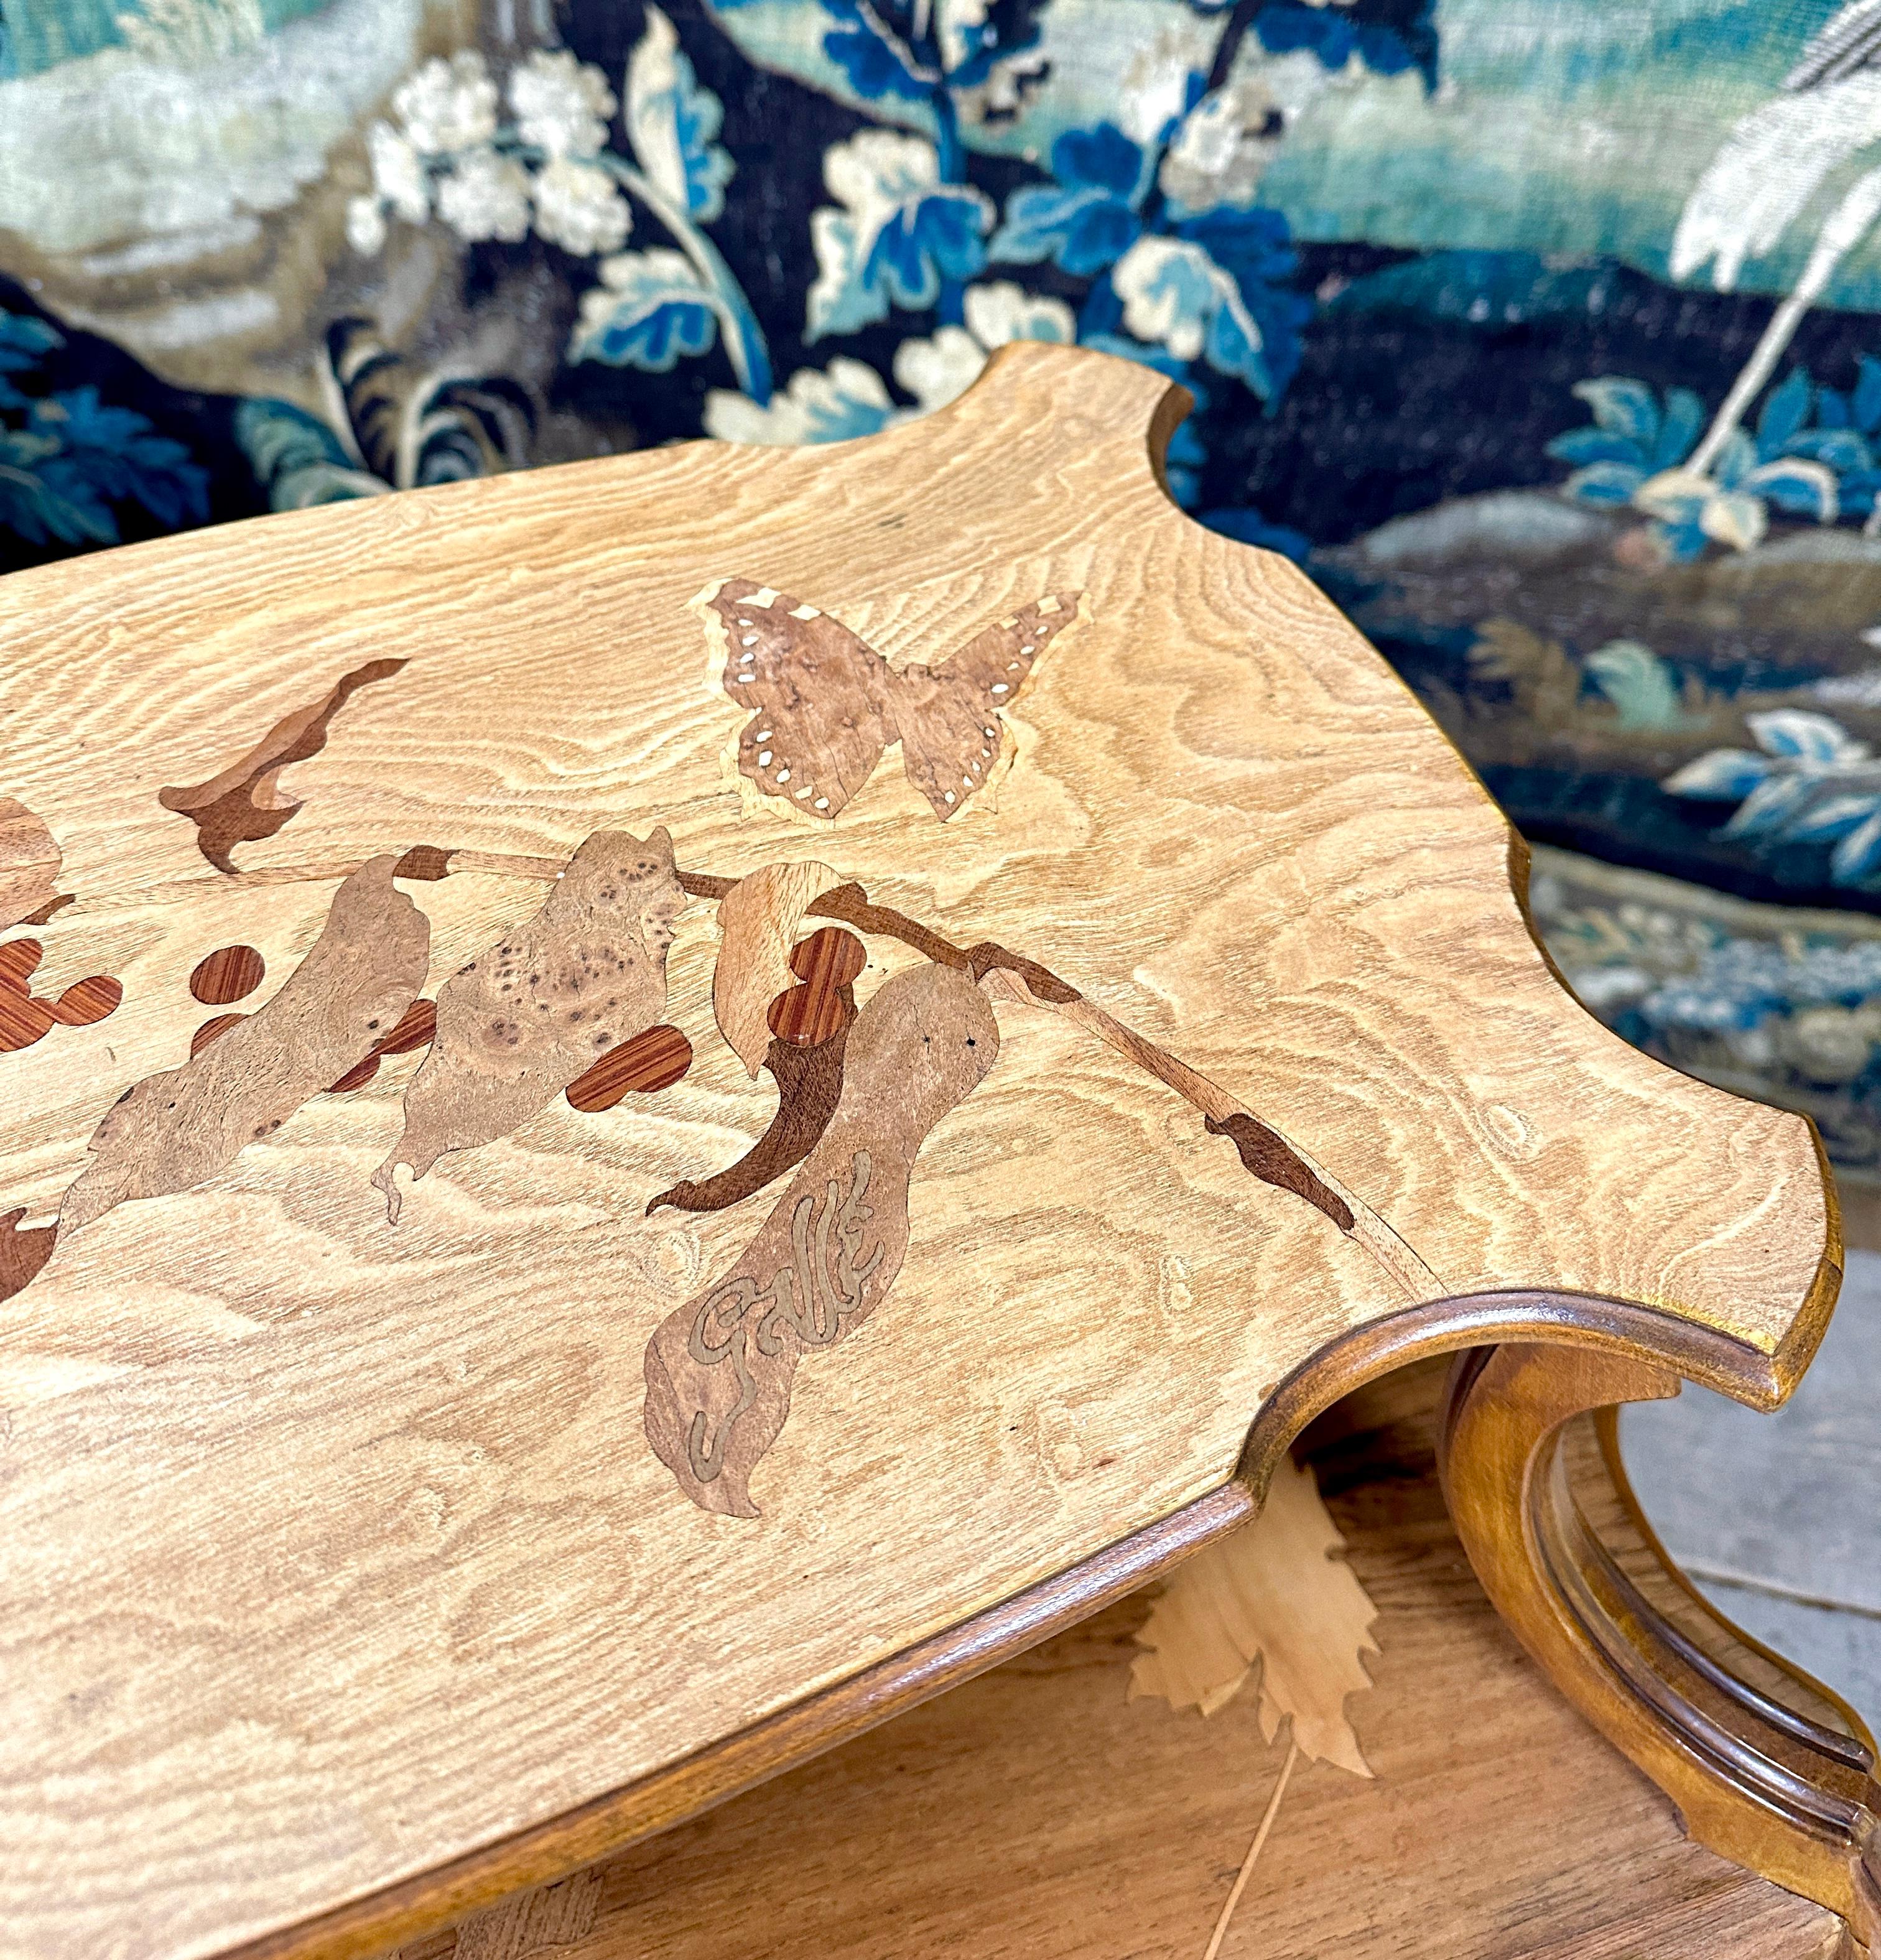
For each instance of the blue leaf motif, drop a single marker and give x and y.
(1785, 412)
(1838, 448)
(1865, 405)
(296, 459)
(1679, 428)
(849, 398)
(23, 340)
(650, 308)
(40, 499)
(1735, 460)
(1174, 293)
(119, 454)
(1770, 806)
(1798, 732)
(672, 121)
(1087, 219)
(877, 61)
(1856, 858)
(1833, 816)
(1604, 485)
(1806, 489)
(1622, 407)
(1581, 447)
(896, 233)
(1832, 410)
(1722, 776)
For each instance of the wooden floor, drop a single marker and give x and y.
(1778, 1517)
(1038, 1813)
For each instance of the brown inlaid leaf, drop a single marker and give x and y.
(719, 1370)
(809, 1085)
(21, 1253)
(229, 973)
(825, 704)
(819, 695)
(652, 1060)
(173, 1130)
(758, 918)
(527, 1017)
(1273, 1596)
(29, 863)
(244, 803)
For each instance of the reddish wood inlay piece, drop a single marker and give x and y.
(829, 957)
(19, 959)
(416, 1026)
(826, 962)
(655, 1059)
(50, 909)
(23, 1020)
(87, 1000)
(218, 1024)
(21, 1253)
(227, 975)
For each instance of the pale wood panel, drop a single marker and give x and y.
(351, 1532)
(1038, 1813)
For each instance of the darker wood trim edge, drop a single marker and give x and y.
(615, 1820)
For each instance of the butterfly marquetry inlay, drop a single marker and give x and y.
(824, 704)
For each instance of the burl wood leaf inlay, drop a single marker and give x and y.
(173, 1130)
(719, 1370)
(29, 863)
(245, 803)
(825, 704)
(528, 1015)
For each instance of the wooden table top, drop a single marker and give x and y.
(1190, 1042)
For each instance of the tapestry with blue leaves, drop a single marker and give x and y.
(1544, 334)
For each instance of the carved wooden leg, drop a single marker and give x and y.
(1767, 1767)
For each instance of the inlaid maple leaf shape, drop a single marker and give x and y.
(825, 704)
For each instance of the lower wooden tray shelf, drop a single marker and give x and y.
(1039, 1811)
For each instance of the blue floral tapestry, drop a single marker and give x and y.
(1545, 334)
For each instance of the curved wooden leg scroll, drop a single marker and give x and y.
(1767, 1767)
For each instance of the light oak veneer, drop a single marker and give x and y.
(333, 1554)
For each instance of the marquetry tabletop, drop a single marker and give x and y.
(647, 1109)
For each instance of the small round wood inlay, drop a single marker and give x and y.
(227, 975)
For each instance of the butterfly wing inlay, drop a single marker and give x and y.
(824, 704)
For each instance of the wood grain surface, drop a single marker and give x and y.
(1039, 1812)
(332, 1551)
